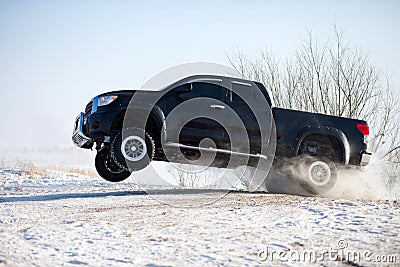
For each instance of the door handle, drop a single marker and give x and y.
(217, 106)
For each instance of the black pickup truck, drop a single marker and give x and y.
(323, 142)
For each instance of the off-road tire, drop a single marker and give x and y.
(121, 160)
(313, 168)
(108, 169)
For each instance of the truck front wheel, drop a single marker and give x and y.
(108, 169)
(132, 149)
(318, 175)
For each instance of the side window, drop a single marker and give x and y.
(207, 89)
(193, 90)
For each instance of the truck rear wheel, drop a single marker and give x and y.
(108, 169)
(132, 149)
(318, 175)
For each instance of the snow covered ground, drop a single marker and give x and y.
(55, 218)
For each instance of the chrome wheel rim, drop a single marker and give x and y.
(133, 148)
(319, 173)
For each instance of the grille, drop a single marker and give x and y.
(78, 137)
(80, 140)
(88, 109)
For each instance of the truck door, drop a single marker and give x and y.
(202, 100)
(243, 106)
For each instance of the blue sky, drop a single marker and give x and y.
(56, 55)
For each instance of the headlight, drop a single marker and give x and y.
(105, 100)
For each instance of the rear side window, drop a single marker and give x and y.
(264, 91)
(246, 92)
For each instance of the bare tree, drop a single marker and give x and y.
(331, 78)
(184, 174)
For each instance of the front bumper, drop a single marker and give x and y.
(365, 158)
(78, 137)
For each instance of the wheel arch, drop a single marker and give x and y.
(155, 117)
(337, 134)
(155, 124)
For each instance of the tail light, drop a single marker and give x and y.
(363, 128)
